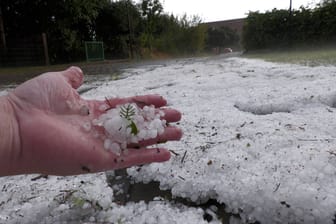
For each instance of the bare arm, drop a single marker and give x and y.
(41, 126)
(9, 137)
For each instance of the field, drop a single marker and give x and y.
(309, 57)
(259, 142)
(15, 75)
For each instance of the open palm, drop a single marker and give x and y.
(53, 139)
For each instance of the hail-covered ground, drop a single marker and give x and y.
(259, 137)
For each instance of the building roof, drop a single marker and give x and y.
(234, 24)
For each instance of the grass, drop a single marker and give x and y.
(34, 69)
(9, 75)
(27, 70)
(309, 57)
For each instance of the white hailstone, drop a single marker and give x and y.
(298, 212)
(123, 145)
(329, 169)
(63, 207)
(308, 219)
(107, 144)
(142, 134)
(152, 133)
(161, 113)
(156, 124)
(134, 139)
(86, 205)
(128, 130)
(115, 126)
(139, 119)
(87, 126)
(111, 146)
(149, 112)
(97, 122)
(115, 148)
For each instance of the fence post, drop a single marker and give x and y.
(45, 47)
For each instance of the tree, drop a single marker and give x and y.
(2, 33)
(276, 29)
(151, 10)
(66, 23)
(124, 27)
(221, 37)
(117, 25)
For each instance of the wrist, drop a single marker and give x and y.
(9, 137)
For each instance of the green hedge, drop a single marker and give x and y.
(280, 28)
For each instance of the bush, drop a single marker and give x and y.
(280, 28)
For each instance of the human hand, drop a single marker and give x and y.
(51, 139)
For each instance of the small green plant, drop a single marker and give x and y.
(127, 112)
(78, 201)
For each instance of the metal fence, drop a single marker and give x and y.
(94, 51)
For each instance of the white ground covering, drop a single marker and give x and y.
(272, 167)
(82, 199)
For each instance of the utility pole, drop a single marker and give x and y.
(130, 30)
(45, 48)
(290, 8)
(290, 27)
(2, 32)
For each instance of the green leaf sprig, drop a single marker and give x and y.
(128, 112)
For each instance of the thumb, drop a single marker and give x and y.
(74, 76)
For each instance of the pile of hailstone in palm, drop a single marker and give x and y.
(127, 124)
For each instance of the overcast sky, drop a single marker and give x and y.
(213, 10)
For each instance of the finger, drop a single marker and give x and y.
(141, 156)
(155, 100)
(74, 76)
(171, 133)
(171, 115)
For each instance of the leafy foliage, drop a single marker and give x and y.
(66, 23)
(221, 37)
(127, 29)
(127, 111)
(72, 26)
(181, 35)
(280, 28)
(116, 25)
